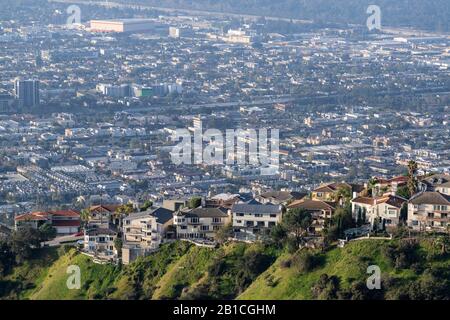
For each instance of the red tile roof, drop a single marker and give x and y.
(34, 216)
(65, 213)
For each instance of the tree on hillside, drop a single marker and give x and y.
(224, 233)
(278, 234)
(47, 232)
(403, 191)
(147, 204)
(297, 221)
(23, 241)
(412, 181)
(343, 220)
(6, 257)
(195, 202)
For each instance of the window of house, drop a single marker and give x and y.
(258, 215)
(204, 228)
(273, 215)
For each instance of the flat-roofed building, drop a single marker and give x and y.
(123, 25)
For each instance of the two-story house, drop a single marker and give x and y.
(200, 223)
(65, 222)
(385, 210)
(328, 192)
(252, 220)
(429, 211)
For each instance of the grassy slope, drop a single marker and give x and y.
(349, 263)
(95, 279)
(186, 272)
(181, 270)
(25, 278)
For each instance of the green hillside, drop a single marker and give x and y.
(407, 272)
(180, 270)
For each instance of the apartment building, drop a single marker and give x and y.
(200, 223)
(144, 232)
(251, 220)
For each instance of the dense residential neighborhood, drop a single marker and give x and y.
(141, 231)
(224, 150)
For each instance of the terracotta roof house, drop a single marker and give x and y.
(65, 222)
(387, 208)
(326, 192)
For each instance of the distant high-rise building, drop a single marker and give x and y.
(27, 91)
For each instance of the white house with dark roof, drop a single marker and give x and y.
(200, 223)
(144, 232)
(251, 220)
(429, 211)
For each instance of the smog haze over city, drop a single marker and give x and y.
(224, 150)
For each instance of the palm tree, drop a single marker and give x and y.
(343, 195)
(371, 184)
(412, 182)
